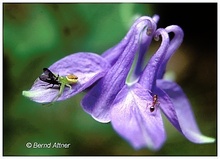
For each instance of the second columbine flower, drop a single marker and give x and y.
(134, 108)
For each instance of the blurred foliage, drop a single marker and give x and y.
(37, 35)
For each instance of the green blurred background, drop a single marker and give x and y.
(37, 35)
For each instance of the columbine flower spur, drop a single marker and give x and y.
(131, 100)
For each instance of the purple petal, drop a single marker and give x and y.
(88, 67)
(144, 45)
(167, 107)
(112, 54)
(186, 123)
(143, 48)
(148, 77)
(173, 46)
(132, 119)
(98, 100)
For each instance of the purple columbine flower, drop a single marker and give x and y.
(134, 108)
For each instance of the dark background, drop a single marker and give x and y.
(37, 35)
